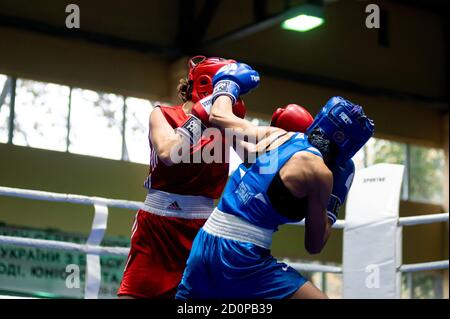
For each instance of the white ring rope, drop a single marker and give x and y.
(432, 265)
(315, 267)
(121, 251)
(70, 198)
(86, 200)
(133, 205)
(424, 219)
(339, 224)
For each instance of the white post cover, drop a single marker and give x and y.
(93, 268)
(372, 239)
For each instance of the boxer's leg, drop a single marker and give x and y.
(159, 249)
(308, 291)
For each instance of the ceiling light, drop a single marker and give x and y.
(302, 23)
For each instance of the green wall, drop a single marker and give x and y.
(61, 172)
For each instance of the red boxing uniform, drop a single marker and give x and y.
(186, 178)
(179, 200)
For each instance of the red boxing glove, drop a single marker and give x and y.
(292, 118)
(239, 108)
(202, 109)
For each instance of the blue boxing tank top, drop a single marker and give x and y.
(245, 193)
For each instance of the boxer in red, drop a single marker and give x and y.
(180, 195)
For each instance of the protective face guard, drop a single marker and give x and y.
(345, 125)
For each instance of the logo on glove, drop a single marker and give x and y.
(195, 128)
(254, 78)
(222, 86)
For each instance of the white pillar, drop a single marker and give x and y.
(372, 240)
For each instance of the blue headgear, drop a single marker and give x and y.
(345, 125)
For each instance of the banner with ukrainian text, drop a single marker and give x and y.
(37, 272)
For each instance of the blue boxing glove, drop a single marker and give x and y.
(233, 80)
(342, 180)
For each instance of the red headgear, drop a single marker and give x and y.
(201, 73)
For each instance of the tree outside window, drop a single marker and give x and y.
(5, 100)
(136, 146)
(41, 111)
(96, 124)
(426, 178)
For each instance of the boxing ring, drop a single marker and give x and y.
(360, 231)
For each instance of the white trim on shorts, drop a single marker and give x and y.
(174, 205)
(235, 228)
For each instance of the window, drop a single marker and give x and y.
(426, 178)
(96, 124)
(41, 111)
(5, 100)
(360, 159)
(423, 178)
(61, 118)
(384, 151)
(422, 285)
(136, 146)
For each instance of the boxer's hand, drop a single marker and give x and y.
(233, 80)
(202, 109)
(342, 180)
(239, 108)
(192, 129)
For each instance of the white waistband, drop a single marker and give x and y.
(232, 227)
(175, 205)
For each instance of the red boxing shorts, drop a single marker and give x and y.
(161, 240)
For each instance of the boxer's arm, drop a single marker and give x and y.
(306, 175)
(249, 137)
(222, 116)
(317, 224)
(163, 136)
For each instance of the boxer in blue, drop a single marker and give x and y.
(295, 176)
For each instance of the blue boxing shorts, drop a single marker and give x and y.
(225, 263)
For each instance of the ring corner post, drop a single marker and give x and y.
(372, 249)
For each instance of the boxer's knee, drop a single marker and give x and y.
(308, 291)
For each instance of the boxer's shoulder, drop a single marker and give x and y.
(307, 160)
(169, 108)
(305, 166)
(174, 114)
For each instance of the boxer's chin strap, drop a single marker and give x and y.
(93, 273)
(318, 139)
